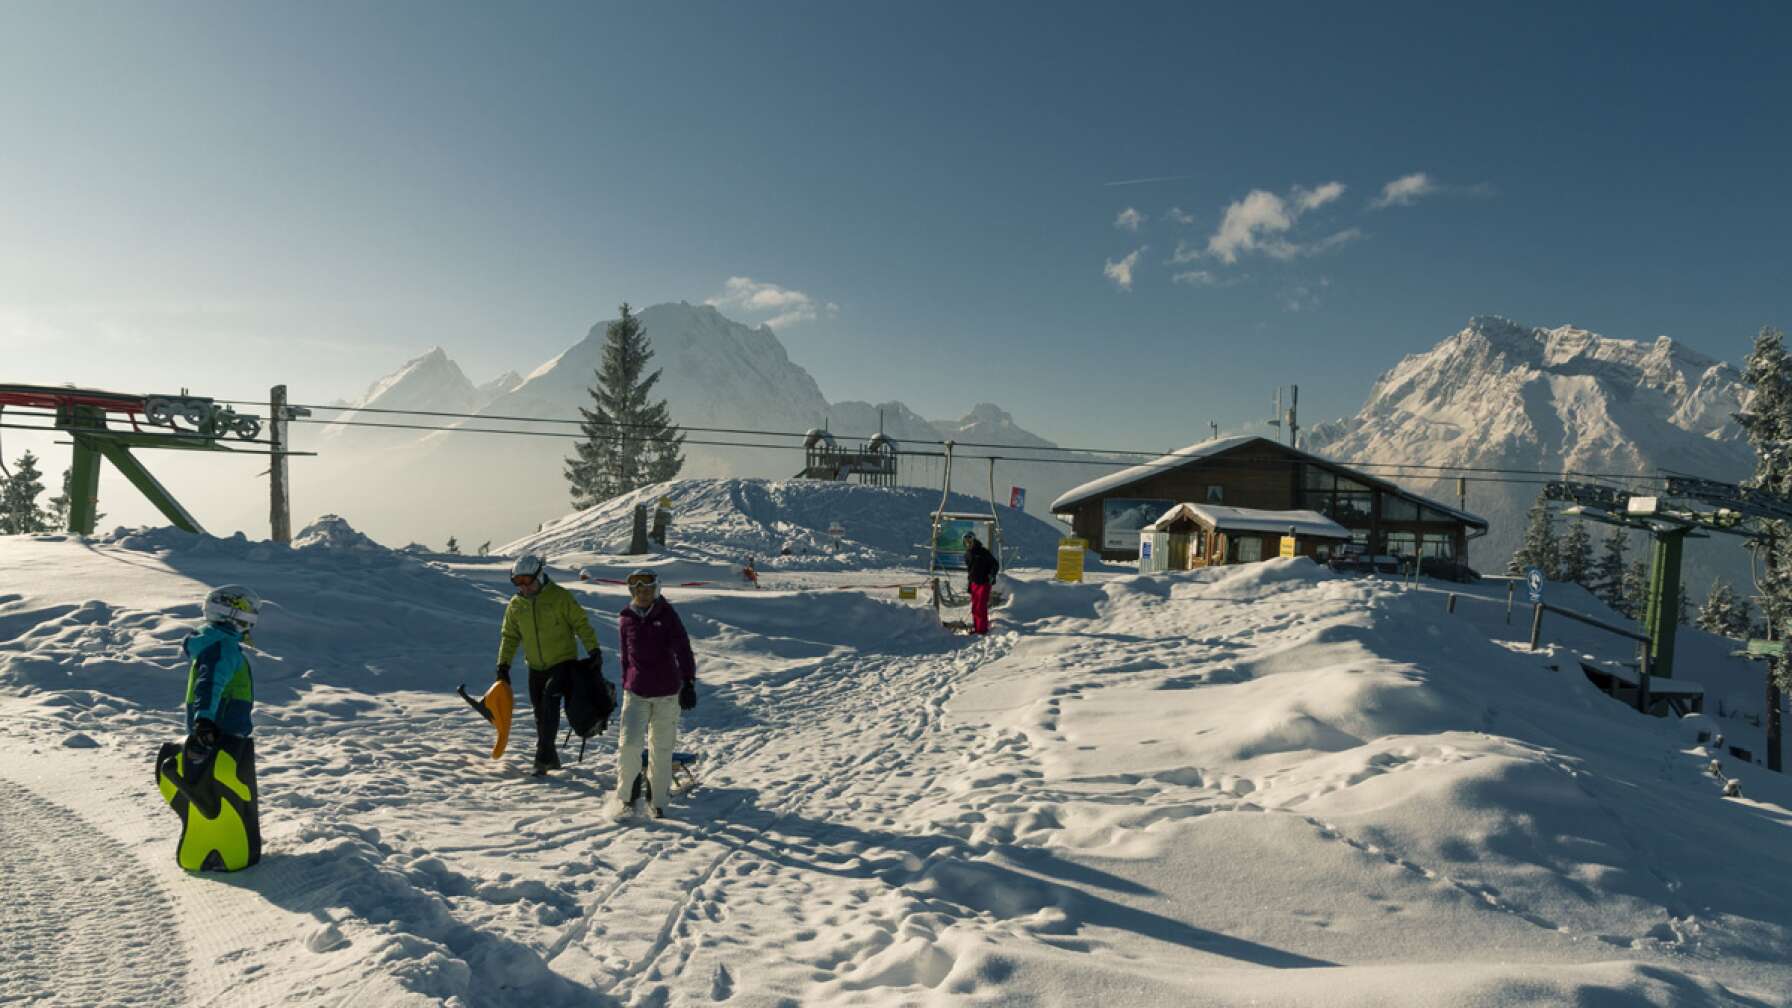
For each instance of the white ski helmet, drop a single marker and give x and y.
(233, 605)
(529, 565)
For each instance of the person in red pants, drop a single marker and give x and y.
(982, 567)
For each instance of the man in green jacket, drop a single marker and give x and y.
(543, 617)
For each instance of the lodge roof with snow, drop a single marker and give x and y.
(1300, 523)
(1257, 473)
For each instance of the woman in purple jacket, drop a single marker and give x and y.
(659, 679)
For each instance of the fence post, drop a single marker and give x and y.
(1450, 605)
(1642, 678)
(1508, 602)
(1536, 624)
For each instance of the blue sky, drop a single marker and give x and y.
(226, 196)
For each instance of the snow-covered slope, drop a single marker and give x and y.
(1260, 784)
(1499, 394)
(741, 518)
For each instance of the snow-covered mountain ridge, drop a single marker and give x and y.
(714, 373)
(1502, 395)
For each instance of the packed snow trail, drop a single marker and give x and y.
(1197, 789)
(110, 934)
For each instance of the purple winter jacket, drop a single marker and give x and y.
(656, 652)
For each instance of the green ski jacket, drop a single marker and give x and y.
(544, 624)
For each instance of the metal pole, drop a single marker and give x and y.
(1773, 708)
(1662, 613)
(1509, 586)
(84, 475)
(1536, 624)
(1450, 603)
(279, 500)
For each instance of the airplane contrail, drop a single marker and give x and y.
(1142, 181)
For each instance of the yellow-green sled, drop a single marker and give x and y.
(220, 819)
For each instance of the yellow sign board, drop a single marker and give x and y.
(1287, 546)
(1070, 558)
(905, 591)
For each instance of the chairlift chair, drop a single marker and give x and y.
(945, 597)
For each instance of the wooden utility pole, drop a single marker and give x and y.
(279, 496)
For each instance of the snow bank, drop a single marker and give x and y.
(734, 519)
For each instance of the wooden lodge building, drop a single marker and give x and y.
(1258, 473)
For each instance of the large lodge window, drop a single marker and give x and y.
(1339, 498)
(1438, 544)
(1398, 509)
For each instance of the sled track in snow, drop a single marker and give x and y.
(109, 935)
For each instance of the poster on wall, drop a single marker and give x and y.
(949, 544)
(1123, 517)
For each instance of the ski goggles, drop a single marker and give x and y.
(637, 580)
(523, 580)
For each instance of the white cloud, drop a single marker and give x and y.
(1121, 271)
(1177, 215)
(1185, 253)
(1313, 199)
(1304, 296)
(787, 306)
(1261, 221)
(1197, 278)
(1405, 191)
(1259, 214)
(1129, 220)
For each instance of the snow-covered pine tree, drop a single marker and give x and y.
(485, 548)
(19, 510)
(1574, 562)
(1723, 613)
(1768, 420)
(1635, 593)
(629, 442)
(1539, 546)
(453, 547)
(1608, 571)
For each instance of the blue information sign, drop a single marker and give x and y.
(1533, 577)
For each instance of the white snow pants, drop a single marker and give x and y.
(657, 717)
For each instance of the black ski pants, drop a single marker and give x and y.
(545, 693)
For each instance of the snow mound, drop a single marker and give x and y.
(332, 532)
(733, 519)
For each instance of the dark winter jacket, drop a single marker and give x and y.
(656, 652)
(981, 564)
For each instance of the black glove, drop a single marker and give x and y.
(201, 743)
(592, 664)
(503, 675)
(687, 695)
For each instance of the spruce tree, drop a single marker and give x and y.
(485, 548)
(1575, 561)
(453, 548)
(1723, 612)
(1768, 421)
(19, 510)
(629, 441)
(1634, 597)
(1539, 546)
(1608, 571)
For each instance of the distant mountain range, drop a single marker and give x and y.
(1496, 395)
(715, 373)
(1500, 395)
